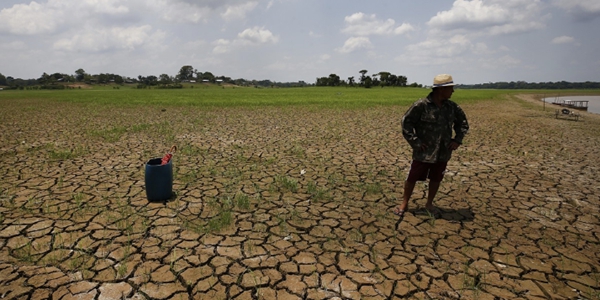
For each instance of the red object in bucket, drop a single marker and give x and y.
(165, 160)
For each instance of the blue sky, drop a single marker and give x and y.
(476, 41)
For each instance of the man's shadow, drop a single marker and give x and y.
(459, 215)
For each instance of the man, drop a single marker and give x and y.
(428, 126)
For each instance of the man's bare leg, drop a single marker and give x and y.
(433, 189)
(408, 191)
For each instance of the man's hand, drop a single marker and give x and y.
(453, 145)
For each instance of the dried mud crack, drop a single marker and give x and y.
(294, 203)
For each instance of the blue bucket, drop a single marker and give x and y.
(159, 180)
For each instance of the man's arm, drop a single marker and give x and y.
(409, 123)
(461, 125)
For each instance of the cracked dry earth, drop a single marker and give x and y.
(293, 203)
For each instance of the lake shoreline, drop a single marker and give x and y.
(593, 102)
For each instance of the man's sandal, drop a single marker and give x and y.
(398, 212)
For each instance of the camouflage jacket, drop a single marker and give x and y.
(426, 123)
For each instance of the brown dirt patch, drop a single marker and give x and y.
(296, 203)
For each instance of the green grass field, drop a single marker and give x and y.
(215, 96)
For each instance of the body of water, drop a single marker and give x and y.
(593, 104)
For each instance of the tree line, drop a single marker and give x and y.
(378, 79)
(186, 74)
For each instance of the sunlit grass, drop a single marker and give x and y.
(215, 97)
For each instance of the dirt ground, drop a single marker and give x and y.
(294, 203)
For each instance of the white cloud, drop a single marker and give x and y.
(584, 10)
(103, 39)
(238, 11)
(493, 16)
(221, 46)
(464, 12)
(258, 35)
(250, 36)
(46, 18)
(563, 40)
(193, 11)
(355, 43)
(455, 45)
(110, 7)
(438, 51)
(364, 25)
(30, 19)
(181, 12)
(404, 28)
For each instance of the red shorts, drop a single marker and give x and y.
(420, 171)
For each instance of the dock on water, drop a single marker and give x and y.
(574, 104)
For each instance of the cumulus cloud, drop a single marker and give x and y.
(238, 11)
(493, 16)
(103, 39)
(110, 7)
(30, 19)
(404, 28)
(248, 37)
(46, 18)
(563, 40)
(360, 24)
(193, 11)
(182, 12)
(258, 35)
(355, 43)
(583, 10)
(221, 46)
(439, 51)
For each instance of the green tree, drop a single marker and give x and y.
(322, 81)
(3, 80)
(362, 76)
(45, 79)
(393, 80)
(334, 80)
(351, 80)
(164, 79)
(102, 78)
(186, 73)
(384, 77)
(208, 76)
(375, 80)
(368, 82)
(402, 80)
(80, 75)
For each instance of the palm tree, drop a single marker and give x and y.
(362, 76)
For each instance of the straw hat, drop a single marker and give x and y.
(443, 80)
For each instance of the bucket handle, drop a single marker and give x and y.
(173, 149)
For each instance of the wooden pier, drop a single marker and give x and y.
(574, 104)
